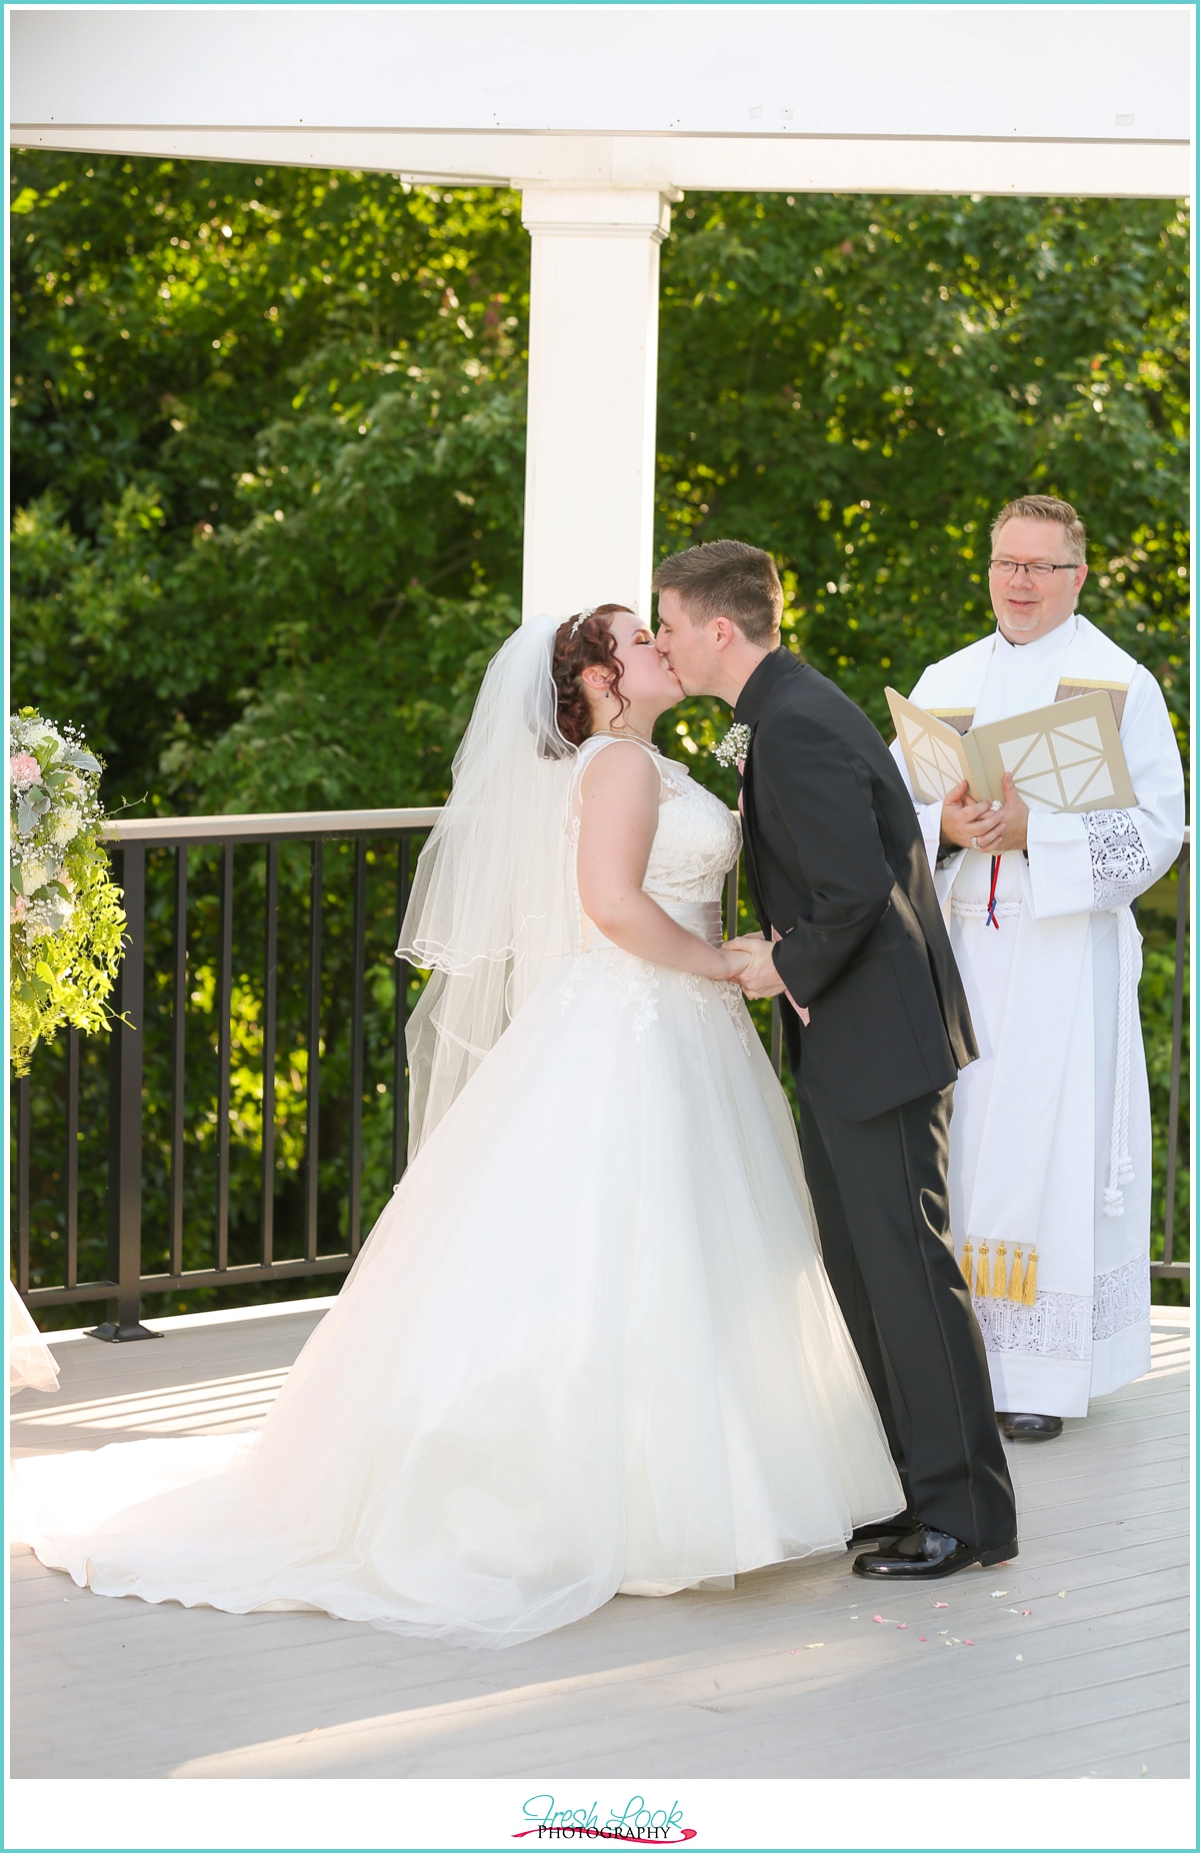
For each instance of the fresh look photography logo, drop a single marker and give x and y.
(636, 1824)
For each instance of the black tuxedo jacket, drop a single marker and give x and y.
(835, 862)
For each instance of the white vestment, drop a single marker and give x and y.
(1050, 1144)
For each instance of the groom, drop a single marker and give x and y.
(876, 1027)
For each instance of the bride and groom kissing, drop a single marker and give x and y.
(618, 1329)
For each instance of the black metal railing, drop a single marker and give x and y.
(367, 842)
(1168, 1268)
(124, 1281)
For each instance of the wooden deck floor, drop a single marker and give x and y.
(1071, 1662)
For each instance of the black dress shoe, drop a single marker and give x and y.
(1031, 1427)
(883, 1528)
(925, 1554)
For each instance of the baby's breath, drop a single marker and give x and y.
(734, 746)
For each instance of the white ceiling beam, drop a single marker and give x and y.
(687, 163)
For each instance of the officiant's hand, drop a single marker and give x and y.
(962, 824)
(759, 977)
(1007, 828)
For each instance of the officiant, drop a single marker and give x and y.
(1050, 1144)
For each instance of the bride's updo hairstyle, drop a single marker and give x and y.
(580, 645)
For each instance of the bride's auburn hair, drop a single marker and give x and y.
(578, 646)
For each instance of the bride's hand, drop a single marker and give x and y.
(733, 961)
(759, 977)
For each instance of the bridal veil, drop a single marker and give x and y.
(489, 913)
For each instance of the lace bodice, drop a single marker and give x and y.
(697, 840)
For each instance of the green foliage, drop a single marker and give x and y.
(859, 384)
(1157, 921)
(268, 446)
(268, 439)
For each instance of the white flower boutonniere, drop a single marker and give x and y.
(734, 746)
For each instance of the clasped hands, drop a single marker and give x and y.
(756, 973)
(968, 823)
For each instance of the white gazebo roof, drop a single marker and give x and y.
(929, 98)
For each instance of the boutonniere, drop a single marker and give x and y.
(734, 746)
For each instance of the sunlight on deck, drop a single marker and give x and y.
(1071, 1661)
(220, 1406)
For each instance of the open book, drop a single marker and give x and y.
(1067, 757)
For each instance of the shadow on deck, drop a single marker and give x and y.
(1072, 1661)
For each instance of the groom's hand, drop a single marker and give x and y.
(759, 977)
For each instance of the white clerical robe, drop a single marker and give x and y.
(1050, 1145)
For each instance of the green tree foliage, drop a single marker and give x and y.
(268, 457)
(859, 384)
(268, 445)
(268, 465)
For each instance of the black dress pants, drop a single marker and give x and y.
(883, 1212)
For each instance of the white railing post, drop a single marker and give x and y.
(593, 380)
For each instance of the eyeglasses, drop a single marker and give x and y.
(1037, 569)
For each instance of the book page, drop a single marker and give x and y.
(1067, 757)
(933, 751)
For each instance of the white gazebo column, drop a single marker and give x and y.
(593, 371)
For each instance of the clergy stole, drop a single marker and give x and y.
(1042, 1100)
(1029, 1102)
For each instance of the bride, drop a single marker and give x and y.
(590, 1346)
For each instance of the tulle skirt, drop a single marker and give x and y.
(589, 1347)
(31, 1363)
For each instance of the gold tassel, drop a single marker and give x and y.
(1029, 1293)
(1000, 1284)
(1014, 1285)
(968, 1264)
(983, 1275)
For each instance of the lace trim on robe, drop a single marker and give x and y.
(978, 910)
(1065, 1325)
(1120, 864)
(1122, 1298)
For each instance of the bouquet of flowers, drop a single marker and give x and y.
(64, 913)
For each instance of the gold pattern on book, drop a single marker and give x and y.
(958, 718)
(1070, 686)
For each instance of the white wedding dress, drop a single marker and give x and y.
(590, 1346)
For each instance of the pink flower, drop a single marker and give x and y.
(24, 771)
(18, 909)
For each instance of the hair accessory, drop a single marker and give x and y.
(583, 617)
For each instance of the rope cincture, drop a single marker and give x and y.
(1120, 1164)
(991, 906)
